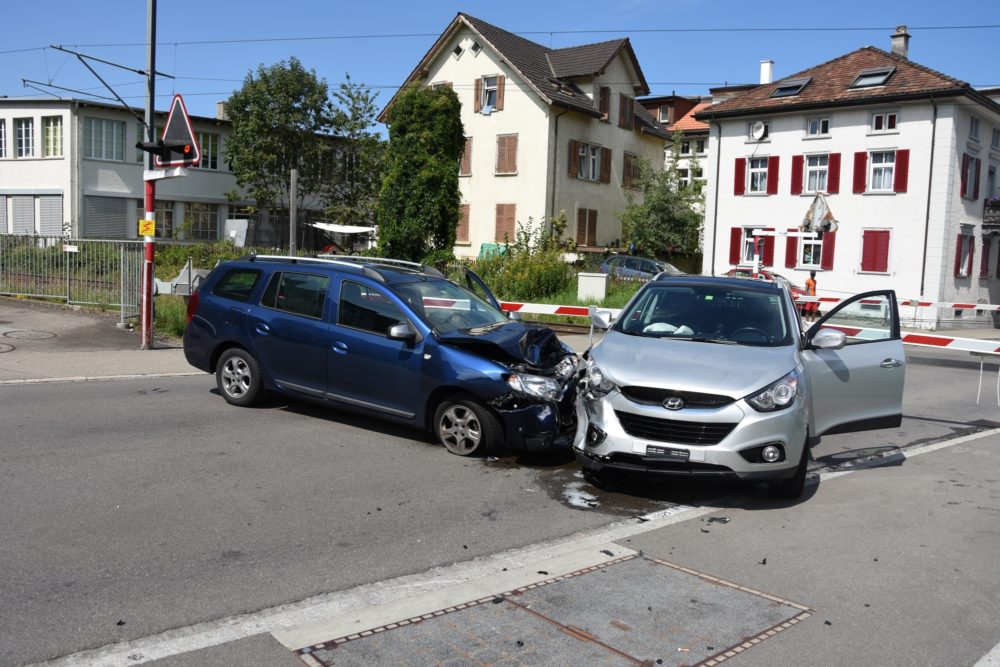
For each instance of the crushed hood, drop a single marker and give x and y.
(512, 343)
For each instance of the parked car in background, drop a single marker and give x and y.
(714, 376)
(626, 266)
(765, 274)
(391, 339)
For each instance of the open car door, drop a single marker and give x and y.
(857, 383)
(479, 288)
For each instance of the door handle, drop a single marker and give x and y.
(891, 363)
(339, 347)
(263, 328)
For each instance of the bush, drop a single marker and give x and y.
(530, 268)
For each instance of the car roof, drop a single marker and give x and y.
(764, 286)
(382, 269)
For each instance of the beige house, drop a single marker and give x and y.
(547, 131)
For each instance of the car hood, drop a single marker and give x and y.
(684, 365)
(523, 346)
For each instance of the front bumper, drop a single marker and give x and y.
(603, 442)
(537, 427)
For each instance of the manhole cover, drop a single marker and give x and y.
(5, 347)
(27, 334)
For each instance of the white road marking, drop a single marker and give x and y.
(134, 376)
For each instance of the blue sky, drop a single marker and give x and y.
(387, 38)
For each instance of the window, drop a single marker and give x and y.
(506, 154)
(964, 252)
(817, 127)
(3, 137)
(201, 221)
(874, 76)
(476, 48)
(698, 179)
(457, 52)
(875, 250)
(164, 216)
(699, 146)
(626, 112)
(880, 177)
(208, 142)
(816, 172)
(665, 114)
(884, 121)
(52, 136)
(103, 139)
(811, 253)
(683, 175)
(462, 231)
(365, 308)
(298, 293)
(790, 87)
(604, 103)
(974, 128)
(586, 227)
(971, 166)
(465, 165)
(589, 162)
(506, 222)
(995, 142)
(237, 284)
(758, 174)
(685, 147)
(489, 92)
(747, 253)
(764, 136)
(991, 181)
(630, 171)
(24, 129)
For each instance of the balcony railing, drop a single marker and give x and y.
(991, 215)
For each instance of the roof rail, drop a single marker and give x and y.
(360, 259)
(317, 260)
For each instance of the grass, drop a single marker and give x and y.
(169, 315)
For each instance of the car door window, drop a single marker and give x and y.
(298, 293)
(865, 320)
(365, 308)
(631, 263)
(237, 284)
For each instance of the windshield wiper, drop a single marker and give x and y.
(703, 339)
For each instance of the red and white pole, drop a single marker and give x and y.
(146, 298)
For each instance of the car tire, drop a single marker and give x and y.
(238, 377)
(597, 478)
(466, 427)
(793, 486)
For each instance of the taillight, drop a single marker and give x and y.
(192, 306)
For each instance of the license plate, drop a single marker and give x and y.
(670, 453)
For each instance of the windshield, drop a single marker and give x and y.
(447, 307)
(709, 313)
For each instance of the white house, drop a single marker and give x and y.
(906, 156)
(72, 164)
(547, 130)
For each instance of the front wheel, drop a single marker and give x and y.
(794, 485)
(465, 427)
(238, 377)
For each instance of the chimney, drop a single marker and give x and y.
(220, 111)
(901, 42)
(766, 71)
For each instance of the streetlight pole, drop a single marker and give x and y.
(146, 299)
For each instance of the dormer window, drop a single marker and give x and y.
(875, 76)
(790, 87)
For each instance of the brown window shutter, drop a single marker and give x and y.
(592, 227)
(581, 226)
(791, 249)
(466, 167)
(631, 114)
(510, 222)
(622, 110)
(462, 231)
(477, 99)
(501, 161)
(604, 103)
(512, 154)
(574, 163)
(500, 86)
(505, 223)
(833, 174)
(605, 165)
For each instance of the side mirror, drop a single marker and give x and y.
(601, 319)
(514, 316)
(403, 332)
(829, 339)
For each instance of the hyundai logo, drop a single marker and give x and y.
(673, 403)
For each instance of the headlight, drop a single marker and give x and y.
(599, 384)
(777, 395)
(567, 366)
(537, 387)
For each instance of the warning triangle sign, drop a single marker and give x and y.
(179, 137)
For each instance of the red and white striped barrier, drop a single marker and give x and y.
(550, 309)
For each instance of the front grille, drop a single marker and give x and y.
(672, 430)
(692, 399)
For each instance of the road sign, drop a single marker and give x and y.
(179, 137)
(147, 227)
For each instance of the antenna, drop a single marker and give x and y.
(757, 130)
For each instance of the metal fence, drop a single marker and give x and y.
(102, 274)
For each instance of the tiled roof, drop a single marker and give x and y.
(829, 85)
(688, 123)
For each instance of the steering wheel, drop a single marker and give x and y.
(754, 330)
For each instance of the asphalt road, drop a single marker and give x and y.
(136, 506)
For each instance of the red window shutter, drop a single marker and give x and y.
(767, 254)
(477, 99)
(882, 252)
(964, 176)
(500, 86)
(901, 173)
(975, 185)
(875, 250)
(791, 250)
(984, 261)
(605, 165)
(574, 151)
(466, 167)
(860, 171)
(972, 254)
(462, 231)
(833, 174)
(772, 175)
(740, 180)
(735, 241)
(798, 165)
(868, 244)
(958, 256)
(829, 245)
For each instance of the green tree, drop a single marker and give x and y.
(668, 213)
(282, 119)
(418, 204)
(352, 191)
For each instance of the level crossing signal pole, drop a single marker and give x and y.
(149, 244)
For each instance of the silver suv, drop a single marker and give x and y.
(715, 376)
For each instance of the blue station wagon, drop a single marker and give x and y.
(387, 338)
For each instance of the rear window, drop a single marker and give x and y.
(237, 284)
